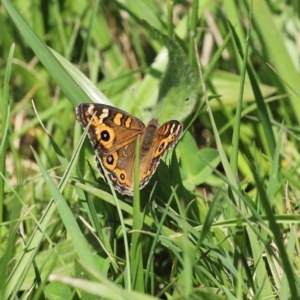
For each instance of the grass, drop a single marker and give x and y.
(220, 217)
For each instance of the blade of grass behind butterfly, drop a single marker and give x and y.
(170, 25)
(239, 246)
(103, 291)
(224, 159)
(136, 251)
(236, 127)
(116, 202)
(87, 40)
(275, 167)
(60, 155)
(8, 249)
(123, 206)
(43, 115)
(278, 53)
(271, 190)
(225, 163)
(5, 109)
(185, 278)
(10, 236)
(168, 234)
(68, 85)
(257, 248)
(16, 276)
(261, 106)
(87, 86)
(206, 74)
(159, 231)
(102, 234)
(88, 205)
(215, 59)
(66, 215)
(286, 264)
(292, 239)
(192, 31)
(22, 266)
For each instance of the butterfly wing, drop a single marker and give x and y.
(166, 136)
(113, 134)
(110, 129)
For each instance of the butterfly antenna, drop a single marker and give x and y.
(171, 109)
(133, 90)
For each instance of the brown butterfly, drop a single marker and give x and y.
(114, 133)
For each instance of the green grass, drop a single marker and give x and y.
(220, 217)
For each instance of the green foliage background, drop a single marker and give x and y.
(220, 218)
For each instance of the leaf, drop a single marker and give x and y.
(204, 161)
(180, 82)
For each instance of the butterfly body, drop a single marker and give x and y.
(114, 134)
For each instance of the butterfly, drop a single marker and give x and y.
(113, 134)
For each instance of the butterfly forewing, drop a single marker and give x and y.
(110, 128)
